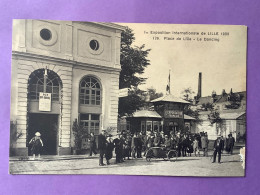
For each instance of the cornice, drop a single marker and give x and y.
(108, 25)
(60, 61)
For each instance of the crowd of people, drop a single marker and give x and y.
(130, 146)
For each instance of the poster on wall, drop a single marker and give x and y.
(129, 76)
(45, 102)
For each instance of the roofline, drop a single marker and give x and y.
(106, 24)
(172, 101)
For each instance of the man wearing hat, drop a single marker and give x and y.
(102, 147)
(179, 143)
(168, 143)
(157, 140)
(231, 143)
(117, 148)
(218, 147)
(139, 145)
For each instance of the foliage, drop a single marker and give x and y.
(193, 113)
(207, 107)
(131, 103)
(214, 117)
(187, 94)
(234, 102)
(78, 132)
(14, 134)
(153, 94)
(133, 62)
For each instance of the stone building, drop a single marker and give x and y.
(62, 71)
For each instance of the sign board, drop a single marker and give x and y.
(45, 102)
(173, 114)
(123, 92)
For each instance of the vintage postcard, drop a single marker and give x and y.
(128, 99)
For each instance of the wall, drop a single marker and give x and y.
(110, 91)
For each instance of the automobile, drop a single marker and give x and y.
(161, 152)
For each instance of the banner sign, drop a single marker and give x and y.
(45, 102)
(173, 114)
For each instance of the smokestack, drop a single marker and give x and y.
(199, 87)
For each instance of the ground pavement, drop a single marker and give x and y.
(184, 166)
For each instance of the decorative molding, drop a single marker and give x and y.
(108, 25)
(63, 62)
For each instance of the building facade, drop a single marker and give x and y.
(63, 71)
(167, 115)
(232, 122)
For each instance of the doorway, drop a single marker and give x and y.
(47, 125)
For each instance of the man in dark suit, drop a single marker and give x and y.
(139, 145)
(231, 143)
(102, 147)
(218, 147)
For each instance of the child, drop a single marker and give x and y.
(196, 147)
(37, 145)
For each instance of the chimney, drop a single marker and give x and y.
(199, 87)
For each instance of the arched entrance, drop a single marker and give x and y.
(44, 108)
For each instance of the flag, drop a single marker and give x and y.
(168, 88)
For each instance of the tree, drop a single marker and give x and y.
(78, 132)
(133, 62)
(234, 102)
(153, 94)
(187, 94)
(207, 107)
(214, 117)
(15, 134)
(193, 113)
(131, 103)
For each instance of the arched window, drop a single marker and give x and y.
(36, 84)
(90, 91)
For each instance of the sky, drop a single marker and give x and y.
(220, 57)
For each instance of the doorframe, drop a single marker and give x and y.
(57, 132)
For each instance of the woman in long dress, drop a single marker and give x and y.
(109, 149)
(37, 145)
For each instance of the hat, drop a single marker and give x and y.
(166, 135)
(104, 130)
(37, 134)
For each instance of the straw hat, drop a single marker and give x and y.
(38, 134)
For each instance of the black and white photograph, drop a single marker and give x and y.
(128, 99)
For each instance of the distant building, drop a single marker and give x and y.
(221, 102)
(231, 108)
(232, 121)
(166, 115)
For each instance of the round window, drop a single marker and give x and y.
(45, 34)
(94, 45)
